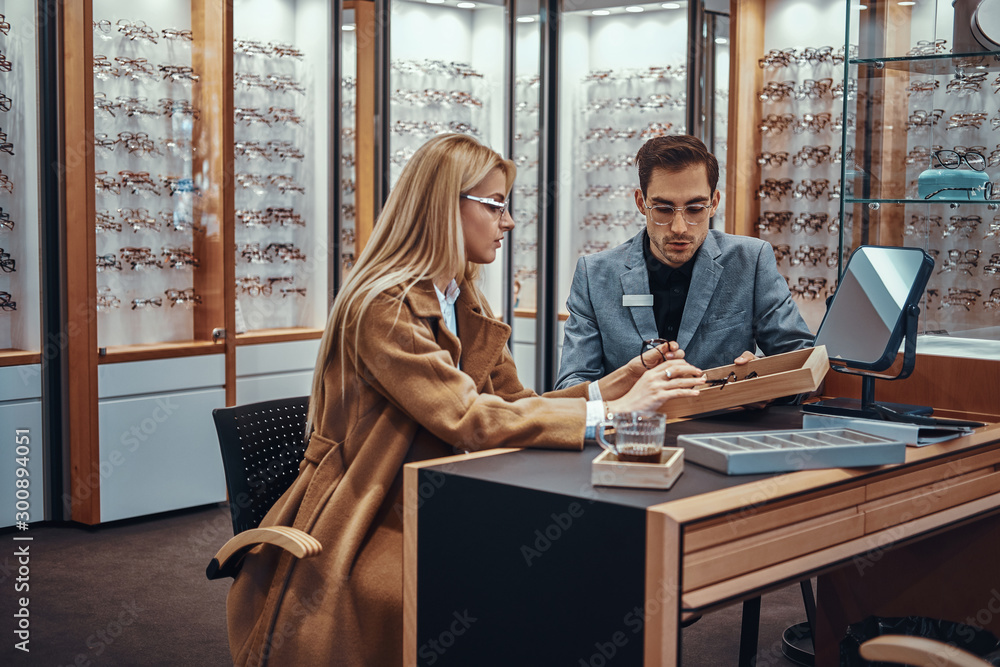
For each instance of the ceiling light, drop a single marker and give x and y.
(466, 5)
(721, 40)
(600, 12)
(526, 19)
(906, 4)
(634, 10)
(435, 2)
(670, 5)
(347, 26)
(862, 7)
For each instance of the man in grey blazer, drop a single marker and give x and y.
(718, 295)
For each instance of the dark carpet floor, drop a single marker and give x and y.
(135, 593)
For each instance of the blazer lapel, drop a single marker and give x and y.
(704, 278)
(635, 280)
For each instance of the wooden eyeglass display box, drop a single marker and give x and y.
(780, 375)
(607, 470)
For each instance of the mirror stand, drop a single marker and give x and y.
(867, 408)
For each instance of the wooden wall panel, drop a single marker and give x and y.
(746, 79)
(970, 386)
(212, 59)
(80, 289)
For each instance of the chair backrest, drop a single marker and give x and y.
(262, 445)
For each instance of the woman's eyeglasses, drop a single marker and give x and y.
(497, 206)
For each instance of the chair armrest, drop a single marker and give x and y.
(918, 652)
(229, 559)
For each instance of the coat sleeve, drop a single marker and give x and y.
(507, 384)
(778, 325)
(408, 367)
(583, 351)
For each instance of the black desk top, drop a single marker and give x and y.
(569, 473)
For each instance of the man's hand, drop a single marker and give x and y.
(652, 358)
(655, 387)
(742, 360)
(618, 383)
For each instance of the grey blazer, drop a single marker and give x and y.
(737, 301)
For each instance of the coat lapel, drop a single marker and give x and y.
(635, 280)
(424, 303)
(480, 338)
(704, 278)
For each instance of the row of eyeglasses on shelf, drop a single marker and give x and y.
(140, 219)
(107, 300)
(143, 257)
(255, 286)
(428, 97)
(430, 67)
(652, 102)
(965, 261)
(964, 226)
(809, 89)
(925, 119)
(779, 58)
(806, 255)
(654, 129)
(810, 223)
(814, 123)
(667, 73)
(776, 189)
(142, 183)
(963, 297)
(807, 156)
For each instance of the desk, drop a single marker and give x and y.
(512, 557)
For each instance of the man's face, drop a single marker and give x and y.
(677, 241)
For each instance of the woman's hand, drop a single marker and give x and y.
(617, 384)
(669, 379)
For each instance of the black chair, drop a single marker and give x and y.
(262, 445)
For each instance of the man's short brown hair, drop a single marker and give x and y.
(675, 153)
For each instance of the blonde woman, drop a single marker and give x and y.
(412, 366)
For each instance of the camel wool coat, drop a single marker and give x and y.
(412, 391)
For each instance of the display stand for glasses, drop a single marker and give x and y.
(800, 81)
(917, 96)
(141, 383)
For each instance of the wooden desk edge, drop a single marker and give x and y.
(411, 503)
(767, 490)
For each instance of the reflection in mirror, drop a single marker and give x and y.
(864, 324)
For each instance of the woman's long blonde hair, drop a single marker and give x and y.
(417, 236)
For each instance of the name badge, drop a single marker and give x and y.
(637, 300)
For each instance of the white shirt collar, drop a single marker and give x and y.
(450, 294)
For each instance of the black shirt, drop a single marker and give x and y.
(669, 288)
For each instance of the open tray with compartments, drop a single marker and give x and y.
(786, 451)
(780, 375)
(607, 470)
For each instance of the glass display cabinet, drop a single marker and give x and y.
(21, 306)
(198, 235)
(921, 135)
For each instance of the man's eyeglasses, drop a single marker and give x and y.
(654, 345)
(693, 214)
(497, 206)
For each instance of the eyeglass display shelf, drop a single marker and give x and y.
(258, 336)
(113, 354)
(15, 357)
(977, 202)
(939, 63)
